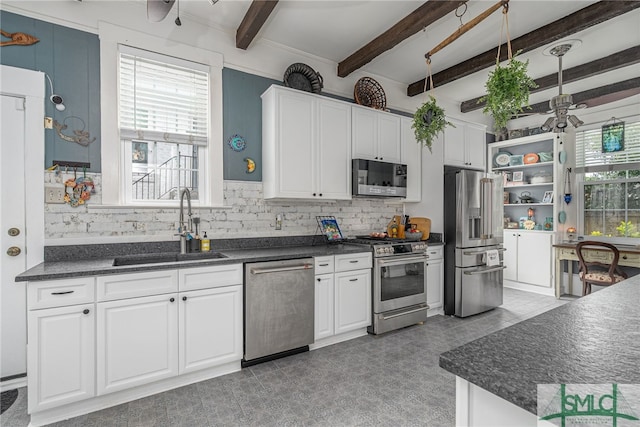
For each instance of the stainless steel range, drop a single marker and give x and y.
(399, 283)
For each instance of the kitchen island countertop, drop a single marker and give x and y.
(102, 266)
(593, 340)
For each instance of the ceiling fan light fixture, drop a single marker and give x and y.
(549, 124)
(576, 122)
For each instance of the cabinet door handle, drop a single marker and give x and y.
(353, 261)
(353, 280)
(184, 298)
(62, 293)
(318, 279)
(314, 194)
(85, 311)
(624, 257)
(320, 194)
(323, 265)
(172, 300)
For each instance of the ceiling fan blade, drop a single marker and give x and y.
(157, 10)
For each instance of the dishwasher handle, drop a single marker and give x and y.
(305, 266)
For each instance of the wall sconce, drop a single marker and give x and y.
(55, 99)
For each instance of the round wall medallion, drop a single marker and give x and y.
(237, 143)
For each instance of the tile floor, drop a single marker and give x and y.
(388, 380)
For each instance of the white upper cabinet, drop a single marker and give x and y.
(376, 135)
(306, 141)
(464, 145)
(412, 157)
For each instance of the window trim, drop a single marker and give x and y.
(112, 148)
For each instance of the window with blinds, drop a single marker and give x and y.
(609, 186)
(590, 156)
(164, 123)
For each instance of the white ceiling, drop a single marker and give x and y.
(335, 29)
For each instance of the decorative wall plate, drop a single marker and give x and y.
(530, 158)
(237, 143)
(502, 158)
(251, 164)
(303, 77)
(562, 157)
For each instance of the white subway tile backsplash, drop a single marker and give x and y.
(247, 215)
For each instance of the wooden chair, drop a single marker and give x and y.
(595, 272)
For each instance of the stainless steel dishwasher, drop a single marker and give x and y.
(278, 309)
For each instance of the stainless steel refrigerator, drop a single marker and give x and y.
(473, 235)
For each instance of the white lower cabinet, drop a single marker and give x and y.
(342, 294)
(352, 300)
(115, 341)
(137, 341)
(61, 356)
(527, 257)
(210, 327)
(435, 277)
(323, 315)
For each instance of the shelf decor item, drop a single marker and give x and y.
(508, 85)
(613, 136)
(518, 176)
(516, 160)
(302, 77)
(548, 197)
(328, 226)
(369, 93)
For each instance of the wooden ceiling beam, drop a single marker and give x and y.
(571, 24)
(594, 97)
(411, 24)
(612, 62)
(253, 20)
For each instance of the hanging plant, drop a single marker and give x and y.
(429, 121)
(507, 91)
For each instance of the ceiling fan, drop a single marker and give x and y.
(562, 103)
(157, 10)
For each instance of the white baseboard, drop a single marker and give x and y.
(13, 384)
(335, 339)
(529, 288)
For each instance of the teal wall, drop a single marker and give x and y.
(72, 59)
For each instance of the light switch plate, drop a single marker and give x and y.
(54, 194)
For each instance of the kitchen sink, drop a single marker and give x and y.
(165, 257)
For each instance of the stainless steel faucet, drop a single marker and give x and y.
(183, 230)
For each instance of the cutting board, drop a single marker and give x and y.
(422, 224)
(398, 219)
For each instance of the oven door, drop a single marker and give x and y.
(399, 282)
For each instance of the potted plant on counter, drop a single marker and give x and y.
(429, 121)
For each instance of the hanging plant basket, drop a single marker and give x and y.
(429, 121)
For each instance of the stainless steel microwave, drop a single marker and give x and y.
(378, 179)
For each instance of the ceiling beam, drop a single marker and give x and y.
(411, 24)
(253, 20)
(609, 63)
(571, 24)
(594, 97)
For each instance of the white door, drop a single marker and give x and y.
(323, 313)
(63, 348)
(435, 282)
(365, 133)
(334, 150)
(389, 137)
(137, 341)
(295, 152)
(210, 327)
(534, 258)
(476, 144)
(352, 300)
(21, 150)
(510, 259)
(13, 255)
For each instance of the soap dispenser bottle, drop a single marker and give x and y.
(205, 243)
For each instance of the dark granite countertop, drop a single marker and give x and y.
(50, 270)
(593, 340)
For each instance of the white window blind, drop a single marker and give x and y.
(162, 98)
(590, 158)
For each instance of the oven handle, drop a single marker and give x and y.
(488, 270)
(403, 260)
(482, 252)
(415, 310)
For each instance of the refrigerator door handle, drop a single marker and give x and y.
(486, 207)
(482, 252)
(484, 271)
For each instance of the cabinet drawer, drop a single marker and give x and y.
(352, 262)
(60, 293)
(566, 253)
(210, 277)
(324, 264)
(120, 286)
(631, 259)
(435, 252)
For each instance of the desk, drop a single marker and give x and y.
(629, 257)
